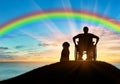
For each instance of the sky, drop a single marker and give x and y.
(41, 41)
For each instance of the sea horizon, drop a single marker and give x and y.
(12, 69)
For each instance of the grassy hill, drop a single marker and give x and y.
(80, 72)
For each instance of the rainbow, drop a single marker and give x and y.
(81, 15)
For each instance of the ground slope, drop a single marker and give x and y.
(80, 72)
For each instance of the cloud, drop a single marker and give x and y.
(9, 52)
(115, 47)
(4, 48)
(4, 56)
(48, 44)
(12, 56)
(19, 47)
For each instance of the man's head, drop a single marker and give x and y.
(85, 29)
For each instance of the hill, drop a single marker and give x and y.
(80, 72)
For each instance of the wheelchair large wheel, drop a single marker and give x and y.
(75, 54)
(94, 57)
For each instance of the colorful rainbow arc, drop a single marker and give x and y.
(81, 15)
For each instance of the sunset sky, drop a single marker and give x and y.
(42, 41)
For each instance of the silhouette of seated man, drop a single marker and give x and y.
(85, 43)
(65, 52)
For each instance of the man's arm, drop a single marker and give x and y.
(97, 39)
(74, 39)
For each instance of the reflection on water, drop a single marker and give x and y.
(12, 69)
(116, 65)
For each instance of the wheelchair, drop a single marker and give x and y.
(93, 53)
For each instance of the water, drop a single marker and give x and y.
(12, 69)
(116, 65)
